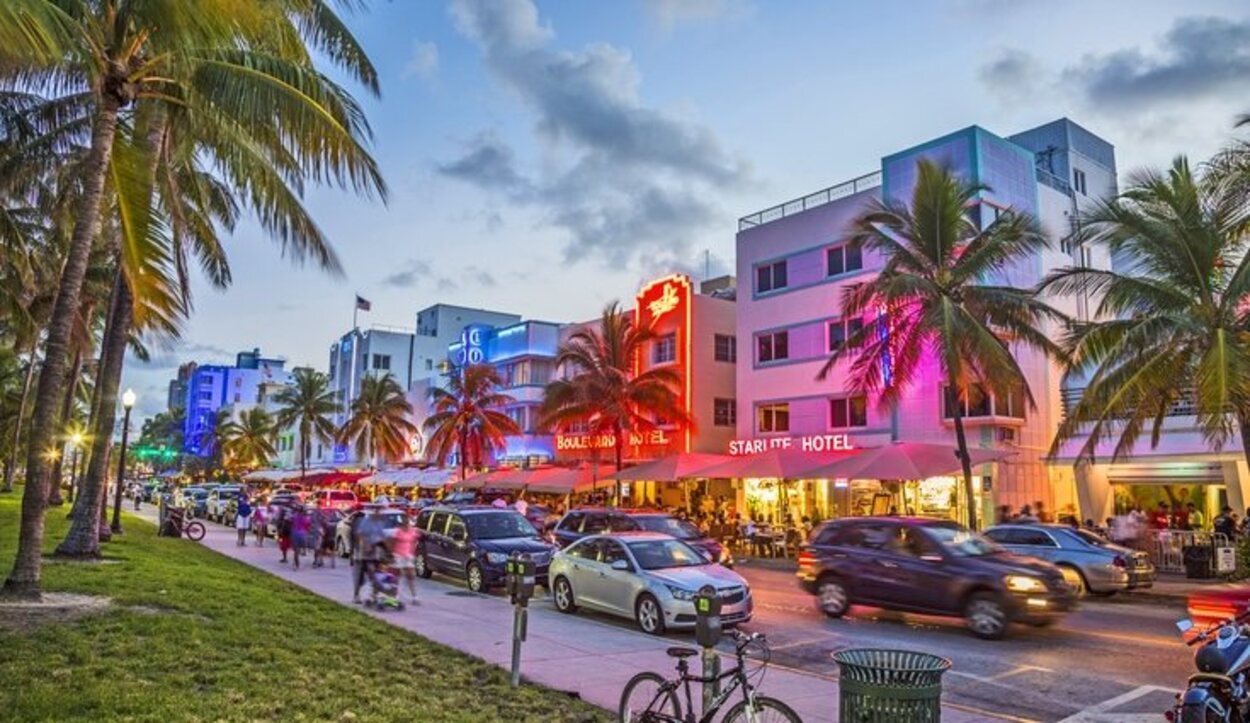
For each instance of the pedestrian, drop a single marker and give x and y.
(1026, 516)
(260, 523)
(300, 524)
(242, 519)
(1196, 519)
(1225, 523)
(138, 492)
(329, 550)
(1181, 519)
(404, 551)
(316, 531)
(284, 531)
(521, 505)
(1040, 512)
(1004, 515)
(369, 535)
(1161, 517)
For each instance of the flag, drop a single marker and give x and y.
(363, 304)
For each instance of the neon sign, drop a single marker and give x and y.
(805, 443)
(472, 345)
(665, 306)
(569, 442)
(667, 302)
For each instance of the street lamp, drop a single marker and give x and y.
(128, 402)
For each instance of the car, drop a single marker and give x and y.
(474, 543)
(929, 566)
(218, 499)
(194, 500)
(648, 577)
(541, 517)
(1090, 563)
(345, 541)
(584, 521)
(336, 499)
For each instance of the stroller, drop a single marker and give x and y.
(385, 584)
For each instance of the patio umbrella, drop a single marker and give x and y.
(564, 480)
(904, 461)
(778, 463)
(672, 468)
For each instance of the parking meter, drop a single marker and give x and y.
(707, 627)
(521, 573)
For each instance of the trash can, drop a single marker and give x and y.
(880, 686)
(1199, 561)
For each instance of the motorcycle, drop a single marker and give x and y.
(1218, 692)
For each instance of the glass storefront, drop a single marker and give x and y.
(770, 500)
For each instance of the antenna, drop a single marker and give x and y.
(707, 264)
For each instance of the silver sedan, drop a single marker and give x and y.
(1090, 564)
(649, 577)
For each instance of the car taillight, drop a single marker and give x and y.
(1119, 561)
(806, 558)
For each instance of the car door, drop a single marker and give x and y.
(614, 588)
(919, 578)
(457, 544)
(583, 571)
(436, 552)
(569, 530)
(875, 566)
(1036, 542)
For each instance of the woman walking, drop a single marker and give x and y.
(260, 523)
(243, 519)
(316, 534)
(284, 531)
(404, 550)
(300, 525)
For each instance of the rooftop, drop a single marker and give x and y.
(811, 200)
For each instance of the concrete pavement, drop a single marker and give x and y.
(584, 654)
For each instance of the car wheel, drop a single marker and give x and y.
(475, 578)
(986, 616)
(649, 615)
(421, 567)
(563, 594)
(1075, 580)
(834, 600)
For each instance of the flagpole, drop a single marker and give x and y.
(355, 311)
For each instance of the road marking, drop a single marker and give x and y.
(1100, 713)
(999, 676)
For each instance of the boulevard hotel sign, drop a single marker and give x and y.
(583, 442)
(805, 443)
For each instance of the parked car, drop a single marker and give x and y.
(474, 542)
(584, 521)
(336, 499)
(648, 577)
(1089, 563)
(218, 499)
(194, 500)
(929, 566)
(345, 541)
(541, 517)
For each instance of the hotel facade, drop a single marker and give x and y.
(795, 265)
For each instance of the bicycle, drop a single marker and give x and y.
(179, 523)
(649, 698)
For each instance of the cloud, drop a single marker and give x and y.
(1198, 57)
(182, 352)
(668, 14)
(622, 179)
(1013, 75)
(417, 273)
(410, 275)
(423, 63)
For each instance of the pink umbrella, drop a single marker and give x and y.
(563, 480)
(905, 461)
(777, 463)
(673, 467)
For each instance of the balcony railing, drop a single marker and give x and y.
(1046, 178)
(1186, 406)
(811, 200)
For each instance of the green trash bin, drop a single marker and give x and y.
(880, 686)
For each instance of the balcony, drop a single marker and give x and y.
(810, 201)
(1186, 406)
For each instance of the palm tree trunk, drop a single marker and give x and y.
(618, 445)
(965, 460)
(67, 407)
(464, 455)
(11, 465)
(83, 538)
(23, 580)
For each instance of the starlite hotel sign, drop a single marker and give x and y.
(805, 443)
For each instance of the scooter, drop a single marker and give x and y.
(1218, 692)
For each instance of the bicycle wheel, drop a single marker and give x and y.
(645, 698)
(765, 710)
(195, 531)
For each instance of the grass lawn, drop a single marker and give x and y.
(196, 636)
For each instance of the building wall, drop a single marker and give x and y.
(711, 379)
(212, 387)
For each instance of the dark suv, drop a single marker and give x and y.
(584, 521)
(473, 543)
(929, 566)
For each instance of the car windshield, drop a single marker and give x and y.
(499, 525)
(961, 542)
(680, 529)
(659, 554)
(342, 495)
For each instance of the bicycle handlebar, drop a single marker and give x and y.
(1206, 634)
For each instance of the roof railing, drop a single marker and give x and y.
(811, 200)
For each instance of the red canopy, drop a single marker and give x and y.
(777, 463)
(904, 461)
(565, 480)
(673, 467)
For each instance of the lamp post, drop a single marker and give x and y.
(75, 441)
(128, 401)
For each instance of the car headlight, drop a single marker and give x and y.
(1024, 583)
(496, 558)
(680, 593)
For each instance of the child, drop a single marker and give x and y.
(243, 520)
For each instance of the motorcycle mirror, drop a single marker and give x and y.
(1185, 625)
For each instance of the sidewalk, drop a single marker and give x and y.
(576, 653)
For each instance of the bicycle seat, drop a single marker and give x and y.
(681, 652)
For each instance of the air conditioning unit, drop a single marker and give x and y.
(1005, 435)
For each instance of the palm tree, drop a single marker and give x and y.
(378, 424)
(939, 302)
(1173, 322)
(605, 393)
(277, 122)
(248, 442)
(308, 404)
(467, 417)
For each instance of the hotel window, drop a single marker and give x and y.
(1078, 181)
(980, 403)
(774, 346)
(840, 331)
(771, 277)
(774, 418)
(724, 412)
(382, 361)
(725, 348)
(849, 412)
(665, 350)
(429, 365)
(844, 259)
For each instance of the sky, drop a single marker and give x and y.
(545, 157)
